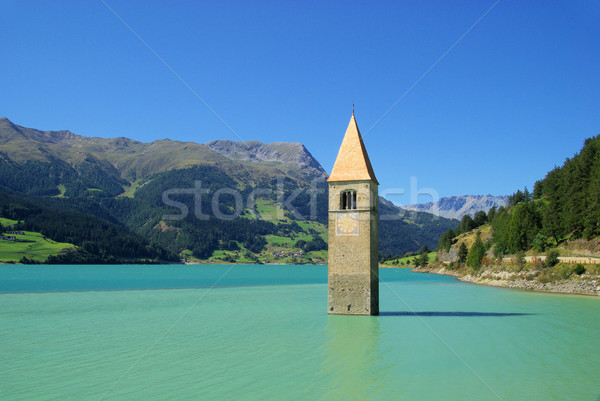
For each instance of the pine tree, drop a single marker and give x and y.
(540, 242)
(552, 258)
(476, 253)
(480, 218)
(463, 251)
(491, 214)
(423, 249)
(422, 260)
(466, 223)
(552, 222)
(445, 242)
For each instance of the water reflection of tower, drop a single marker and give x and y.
(353, 362)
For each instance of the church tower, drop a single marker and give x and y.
(353, 272)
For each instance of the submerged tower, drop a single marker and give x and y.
(353, 272)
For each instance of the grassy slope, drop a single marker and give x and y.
(469, 237)
(276, 244)
(408, 261)
(129, 191)
(270, 211)
(7, 222)
(532, 270)
(575, 248)
(38, 250)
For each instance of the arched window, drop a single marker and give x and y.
(348, 200)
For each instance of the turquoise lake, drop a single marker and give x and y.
(263, 333)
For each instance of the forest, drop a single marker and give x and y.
(85, 204)
(564, 205)
(100, 241)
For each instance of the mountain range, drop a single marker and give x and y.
(127, 160)
(181, 198)
(455, 207)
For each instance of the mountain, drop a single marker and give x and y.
(223, 200)
(129, 160)
(295, 155)
(455, 207)
(402, 231)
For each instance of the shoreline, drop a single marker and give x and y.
(589, 286)
(585, 285)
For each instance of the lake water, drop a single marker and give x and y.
(262, 333)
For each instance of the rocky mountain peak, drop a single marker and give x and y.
(134, 159)
(291, 153)
(455, 207)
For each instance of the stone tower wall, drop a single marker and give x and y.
(353, 279)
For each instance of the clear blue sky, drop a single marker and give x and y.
(516, 96)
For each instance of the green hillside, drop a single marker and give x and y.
(16, 245)
(123, 161)
(222, 201)
(53, 230)
(560, 219)
(30, 245)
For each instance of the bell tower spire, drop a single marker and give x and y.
(352, 162)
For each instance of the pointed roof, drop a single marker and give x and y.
(352, 163)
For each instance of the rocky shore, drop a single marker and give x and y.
(580, 285)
